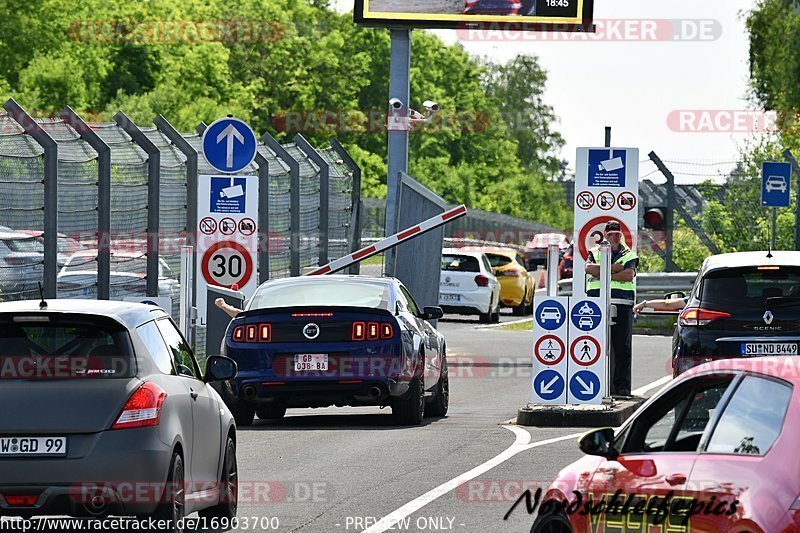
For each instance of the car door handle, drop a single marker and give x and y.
(676, 479)
(193, 394)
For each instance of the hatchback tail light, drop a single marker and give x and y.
(252, 333)
(481, 280)
(511, 272)
(372, 331)
(697, 316)
(143, 408)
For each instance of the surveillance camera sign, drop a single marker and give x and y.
(228, 195)
(611, 175)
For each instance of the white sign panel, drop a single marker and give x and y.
(227, 235)
(606, 189)
(586, 357)
(550, 350)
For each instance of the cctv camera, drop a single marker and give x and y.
(430, 105)
(395, 103)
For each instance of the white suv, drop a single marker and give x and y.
(467, 285)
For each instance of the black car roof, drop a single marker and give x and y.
(750, 259)
(129, 314)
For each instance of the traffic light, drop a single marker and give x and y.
(655, 218)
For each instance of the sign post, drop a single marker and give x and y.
(775, 189)
(227, 211)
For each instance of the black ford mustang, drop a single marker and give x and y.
(318, 341)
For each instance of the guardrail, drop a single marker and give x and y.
(649, 285)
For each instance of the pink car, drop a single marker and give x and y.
(716, 450)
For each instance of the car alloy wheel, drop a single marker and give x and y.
(229, 486)
(441, 399)
(410, 409)
(173, 506)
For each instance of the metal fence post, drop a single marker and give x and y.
(354, 235)
(324, 194)
(103, 199)
(263, 217)
(50, 146)
(294, 201)
(787, 155)
(163, 125)
(153, 191)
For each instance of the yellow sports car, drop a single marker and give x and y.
(516, 284)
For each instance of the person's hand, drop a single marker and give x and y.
(615, 268)
(638, 307)
(219, 302)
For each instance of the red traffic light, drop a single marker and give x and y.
(655, 219)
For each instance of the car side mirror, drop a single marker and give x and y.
(674, 295)
(432, 313)
(599, 442)
(220, 368)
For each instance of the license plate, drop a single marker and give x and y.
(310, 361)
(449, 297)
(769, 348)
(16, 446)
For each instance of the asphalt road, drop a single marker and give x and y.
(343, 469)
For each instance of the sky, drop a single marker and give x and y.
(634, 86)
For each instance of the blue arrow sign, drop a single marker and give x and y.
(586, 315)
(229, 145)
(548, 385)
(775, 184)
(584, 385)
(550, 314)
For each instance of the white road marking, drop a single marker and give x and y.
(522, 442)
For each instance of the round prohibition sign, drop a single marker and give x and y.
(208, 226)
(587, 348)
(626, 200)
(606, 200)
(549, 350)
(585, 200)
(591, 234)
(227, 263)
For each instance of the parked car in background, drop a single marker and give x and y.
(535, 251)
(66, 245)
(713, 451)
(516, 283)
(21, 265)
(742, 305)
(467, 285)
(78, 277)
(106, 411)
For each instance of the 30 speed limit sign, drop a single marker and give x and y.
(227, 263)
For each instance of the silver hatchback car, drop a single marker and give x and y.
(105, 411)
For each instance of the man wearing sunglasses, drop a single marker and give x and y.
(623, 295)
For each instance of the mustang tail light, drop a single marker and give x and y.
(27, 500)
(372, 331)
(697, 316)
(252, 333)
(481, 280)
(143, 407)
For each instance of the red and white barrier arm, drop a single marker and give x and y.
(388, 242)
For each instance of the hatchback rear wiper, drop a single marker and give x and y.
(781, 300)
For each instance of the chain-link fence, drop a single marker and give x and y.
(24, 178)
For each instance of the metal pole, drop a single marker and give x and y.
(263, 217)
(187, 292)
(50, 229)
(153, 191)
(552, 270)
(772, 237)
(400, 88)
(324, 194)
(787, 155)
(605, 302)
(608, 137)
(294, 201)
(354, 235)
(103, 198)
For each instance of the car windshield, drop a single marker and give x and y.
(497, 260)
(460, 263)
(752, 287)
(30, 245)
(325, 292)
(63, 349)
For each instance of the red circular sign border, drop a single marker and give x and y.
(572, 351)
(240, 229)
(579, 205)
(549, 363)
(599, 220)
(248, 263)
(212, 219)
(619, 204)
(613, 199)
(235, 226)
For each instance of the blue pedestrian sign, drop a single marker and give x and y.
(586, 315)
(550, 315)
(775, 184)
(549, 385)
(584, 385)
(229, 145)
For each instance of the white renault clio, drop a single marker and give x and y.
(467, 285)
